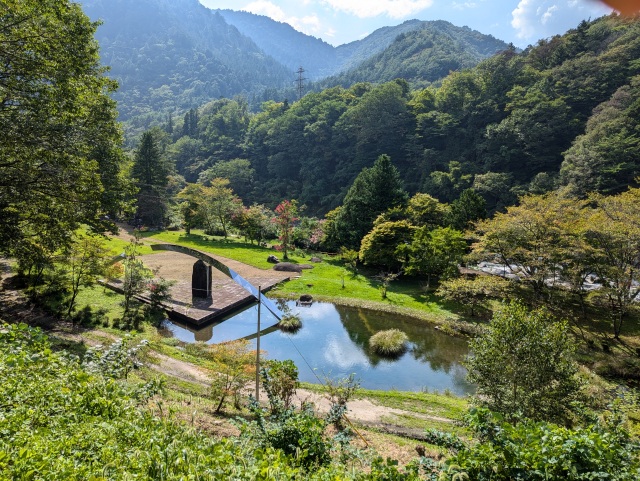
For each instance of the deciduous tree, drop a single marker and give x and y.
(286, 214)
(219, 206)
(533, 239)
(523, 364)
(613, 230)
(59, 139)
(85, 261)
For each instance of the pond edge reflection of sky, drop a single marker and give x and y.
(334, 342)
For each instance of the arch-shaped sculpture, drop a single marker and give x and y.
(226, 270)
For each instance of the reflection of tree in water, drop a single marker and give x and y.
(441, 351)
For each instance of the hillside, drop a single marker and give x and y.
(285, 44)
(515, 123)
(173, 55)
(423, 53)
(437, 43)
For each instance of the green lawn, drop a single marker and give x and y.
(117, 246)
(231, 248)
(100, 299)
(324, 281)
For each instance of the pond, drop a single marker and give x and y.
(334, 342)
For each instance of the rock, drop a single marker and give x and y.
(305, 300)
(272, 259)
(287, 267)
(315, 259)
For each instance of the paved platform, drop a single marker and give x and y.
(227, 296)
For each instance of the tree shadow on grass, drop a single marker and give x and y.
(79, 348)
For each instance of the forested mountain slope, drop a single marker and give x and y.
(175, 54)
(285, 44)
(416, 50)
(516, 123)
(423, 53)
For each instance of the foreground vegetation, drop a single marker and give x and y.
(65, 417)
(62, 419)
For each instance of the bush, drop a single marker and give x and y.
(280, 380)
(389, 343)
(299, 434)
(523, 364)
(535, 451)
(233, 366)
(59, 421)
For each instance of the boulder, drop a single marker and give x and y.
(315, 259)
(272, 259)
(287, 267)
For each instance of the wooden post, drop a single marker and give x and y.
(258, 350)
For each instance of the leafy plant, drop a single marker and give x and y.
(523, 364)
(280, 381)
(232, 365)
(115, 361)
(535, 451)
(299, 434)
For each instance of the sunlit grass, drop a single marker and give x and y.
(97, 298)
(324, 282)
(118, 246)
(231, 248)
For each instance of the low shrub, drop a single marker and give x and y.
(389, 343)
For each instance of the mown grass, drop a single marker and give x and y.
(100, 299)
(231, 248)
(118, 246)
(431, 404)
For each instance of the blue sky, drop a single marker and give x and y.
(522, 22)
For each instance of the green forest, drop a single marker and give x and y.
(407, 185)
(560, 114)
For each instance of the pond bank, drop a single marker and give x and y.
(449, 324)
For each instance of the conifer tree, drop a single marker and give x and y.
(150, 175)
(374, 190)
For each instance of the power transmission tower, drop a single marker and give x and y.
(300, 81)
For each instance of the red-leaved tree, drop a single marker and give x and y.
(286, 215)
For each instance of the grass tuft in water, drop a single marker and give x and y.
(389, 343)
(290, 323)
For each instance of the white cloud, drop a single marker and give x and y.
(264, 7)
(464, 6)
(341, 354)
(309, 24)
(548, 15)
(330, 32)
(373, 8)
(535, 19)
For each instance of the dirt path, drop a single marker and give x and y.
(359, 410)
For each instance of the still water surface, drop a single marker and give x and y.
(334, 341)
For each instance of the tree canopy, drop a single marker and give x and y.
(59, 141)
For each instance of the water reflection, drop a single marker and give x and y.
(334, 341)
